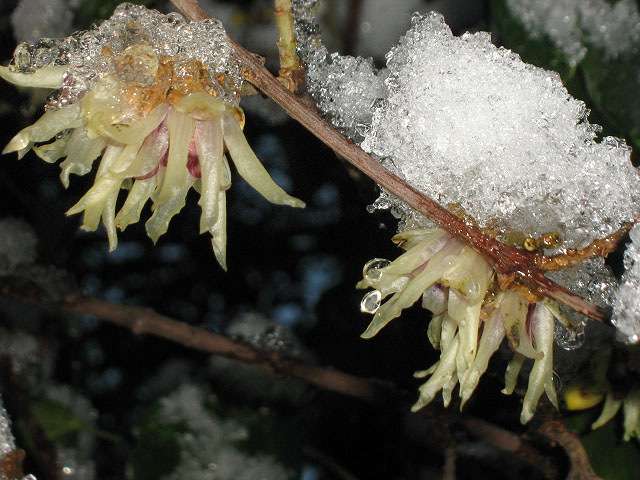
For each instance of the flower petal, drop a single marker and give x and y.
(416, 286)
(541, 376)
(52, 122)
(46, 77)
(181, 128)
(512, 373)
(250, 168)
(609, 410)
(165, 210)
(80, 152)
(209, 146)
(440, 377)
(135, 202)
(492, 336)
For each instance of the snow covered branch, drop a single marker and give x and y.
(512, 263)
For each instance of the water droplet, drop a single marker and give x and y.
(569, 338)
(372, 270)
(371, 302)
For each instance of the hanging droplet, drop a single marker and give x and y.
(569, 338)
(371, 302)
(372, 270)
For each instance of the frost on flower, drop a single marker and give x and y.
(478, 130)
(471, 316)
(626, 306)
(157, 99)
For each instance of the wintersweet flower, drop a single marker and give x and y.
(161, 125)
(596, 385)
(471, 316)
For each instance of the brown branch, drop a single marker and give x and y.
(449, 467)
(511, 442)
(598, 249)
(141, 320)
(556, 431)
(144, 320)
(505, 259)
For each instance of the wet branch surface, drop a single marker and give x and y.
(512, 264)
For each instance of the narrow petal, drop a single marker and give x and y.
(46, 77)
(434, 330)
(609, 410)
(107, 181)
(46, 127)
(80, 152)
(209, 147)
(164, 211)
(467, 316)
(631, 409)
(514, 310)
(250, 168)
(181, 128)
(108, 219)
(135, 202)
(93, 211)
(150, 154)
(52, 152)
(414, 289)
(542, 371)
(512, 373)
(219, 232)
(492, 336)
(440, 377)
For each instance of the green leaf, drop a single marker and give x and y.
(610, 456)
(58, 421)
(613, 85)
(156, 452)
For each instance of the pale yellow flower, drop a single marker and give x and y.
(471, 316)
(159, 130)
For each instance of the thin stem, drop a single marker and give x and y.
(508, 261)
(291, 74)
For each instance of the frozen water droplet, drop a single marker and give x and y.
(372, 270)
(569, 338)
(379, 204)
(371, 302)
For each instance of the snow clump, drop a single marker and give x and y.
(477, 129)
(626, 306)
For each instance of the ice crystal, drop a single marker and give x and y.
(574, 25)
(475, 128)
(344, 87)
(626, 306)
(7, 442)
(87, 55)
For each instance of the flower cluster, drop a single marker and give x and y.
(471, 316)
(160, 122)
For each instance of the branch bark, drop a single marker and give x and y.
(508, 261)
